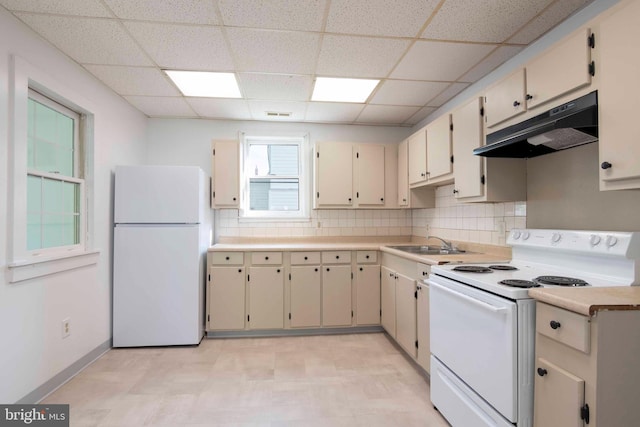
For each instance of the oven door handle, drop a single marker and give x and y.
(469, 299)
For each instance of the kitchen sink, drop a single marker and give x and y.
(429, 250)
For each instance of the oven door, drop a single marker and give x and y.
(474, 334)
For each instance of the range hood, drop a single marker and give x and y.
(568, 125)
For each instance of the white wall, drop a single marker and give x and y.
(32, 350)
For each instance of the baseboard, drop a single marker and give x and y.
(294, 332)
(65, 375)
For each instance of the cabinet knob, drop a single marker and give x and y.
(266, 258)
(382, 199)
(423, 174)
(234, 199)
(554, 324)
(328, 269)
(390, 274)
(424, 273)
(360, 268)
(227, 258)
(529, 97)
(605, 165)
(349, 199)
(516, 103)
(337, 256)
(367, 257)
(306, 258)
(239, 270)
(455, 191)
(404, 200)
(542, 372)
(316, 269)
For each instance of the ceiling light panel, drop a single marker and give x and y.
(205, 84)
(343, 90)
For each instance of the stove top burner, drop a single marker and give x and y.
(472, 269)
(560, 281)
(503, 267)
(517, 283)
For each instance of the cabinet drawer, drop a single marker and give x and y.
(364, 257)
(564, 326)
(302, 258)
(227, 258)
(336, 257)
(268, 258)
(422, 271)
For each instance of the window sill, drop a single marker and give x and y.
(32, 269)
(249, 219)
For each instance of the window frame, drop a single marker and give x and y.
(22, 263)
(300, 140)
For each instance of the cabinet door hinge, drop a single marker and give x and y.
(592, 68)
(357, 194)
(209, 277)
(451, 159)
(318, 195)
(248, 277)
(415, 294)
(289, 279)
(416, 343)
(214, 194)
(481, 111)
(584, 413)
(451, 126)
(591, 40)
(248, 318)
(289, 316)
(317, 154)
(208, 318)
(352, 275)
(380, 312)
(357, 155)
(482, 180)
(214, 151)
(351, 313)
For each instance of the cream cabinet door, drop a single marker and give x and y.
(336, 295)
(418, 157)
(564, 68)
(619, 99)
(226, 296)
(334, 174)
(406, 313)
(370, 172)
(266, 297)
(403, 173)
(305, 296)
(422, 315)
(225, 191)
(439, 161)
(559, 395)
(368, 295)
(467, 135)
(388, 300)
(506, 99)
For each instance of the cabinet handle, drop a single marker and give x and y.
(529, 97)
(516, 103)
(424, 273)
(455, 191)
(606, 165)
(404, 200)
(554, 324)
(390, 274)
(542, 372)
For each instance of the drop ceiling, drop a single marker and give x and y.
(424, 51)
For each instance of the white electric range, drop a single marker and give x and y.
(483, 320)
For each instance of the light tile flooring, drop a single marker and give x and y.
(337, 380)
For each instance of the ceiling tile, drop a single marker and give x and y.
(274, 51)
(220, 108)
(68, 7)
(259, 109)
(447, 94)
(404, 92)
(350, 56)
(303, 15)
(491, 62)
(548, 19)
(87, 40)
(386, 114)
(158, 106)
(379, 17)
(280, 87)
(332, 112)
(482, 21)
(420, 115)
(429, 60)
(134, 80)
(185, 47)
(187, 11)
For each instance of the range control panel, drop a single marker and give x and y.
(626, 244)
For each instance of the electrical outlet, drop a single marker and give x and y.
(66, 327)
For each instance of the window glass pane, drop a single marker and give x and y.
(273, 159)
(31, 117)
(31, 152)
(70, 229)
(34, 194)
(274, 194)
(45, 124)
(65, 162)
(65, 131)
(70, 195)
(34, 232)
(51, 230)
(45, 156)
(52, 196)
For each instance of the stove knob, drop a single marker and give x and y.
(525, 235)
(611, 241)
(594, 240)
(556, 237)
(515, 235)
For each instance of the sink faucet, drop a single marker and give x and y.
(446, 245)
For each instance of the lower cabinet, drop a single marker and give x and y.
(422, 315)
(388, 300)
(266, 298)
(226, 298)
(336, 295)
(406, 314)
(368, 295)
(305, 296)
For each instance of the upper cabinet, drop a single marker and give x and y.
(334, 174)
(439, 153)
(403, 173)
(225, 191)
(619, 99)
(418, 157)
(370, 174)
(565, 67)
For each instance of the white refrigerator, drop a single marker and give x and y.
(162, 229)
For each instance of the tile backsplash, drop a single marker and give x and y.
(470, 222)
(450, 219)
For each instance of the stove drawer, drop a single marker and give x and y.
(564, 326)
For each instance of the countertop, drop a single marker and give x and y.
(359, 245)
(589, 300)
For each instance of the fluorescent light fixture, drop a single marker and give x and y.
(207, 84)
(343, 90)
